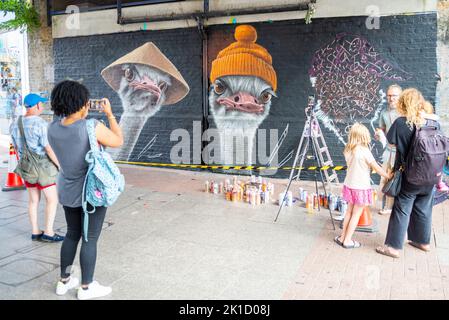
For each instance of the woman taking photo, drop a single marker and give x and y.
(69, 139)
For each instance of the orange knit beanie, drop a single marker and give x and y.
(244, 58)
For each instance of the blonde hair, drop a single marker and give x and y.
(427, 107)
(358, 136)
(410, 103)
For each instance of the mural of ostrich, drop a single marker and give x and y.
(145, 80)
(243, 83)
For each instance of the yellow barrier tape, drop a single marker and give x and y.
(200, 166)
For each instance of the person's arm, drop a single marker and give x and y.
(112, 137)
(382, 124)
(378, 169)
(44, 142)
(51, 154)
(375, 166)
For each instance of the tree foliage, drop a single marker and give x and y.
(26, 16)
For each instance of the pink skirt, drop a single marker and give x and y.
(357, 196)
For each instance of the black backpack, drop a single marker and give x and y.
(427, 155)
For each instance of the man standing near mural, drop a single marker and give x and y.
(387, 117)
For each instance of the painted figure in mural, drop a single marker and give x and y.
(386, 119)
(243, 81)
(145, 80)
(348, 73)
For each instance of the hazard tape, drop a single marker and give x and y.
(256, 168)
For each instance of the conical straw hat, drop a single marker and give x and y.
(148, 54)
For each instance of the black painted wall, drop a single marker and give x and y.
(407, 42)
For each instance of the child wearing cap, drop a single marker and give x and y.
(35, 131)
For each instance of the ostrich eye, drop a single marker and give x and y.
(265, 97)
(163, 86)
(219, 88)
(129, 74)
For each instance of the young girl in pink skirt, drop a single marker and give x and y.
(357, 191)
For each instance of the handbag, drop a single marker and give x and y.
(393, 187)
(35, 168)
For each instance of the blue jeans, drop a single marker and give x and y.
(412, 213)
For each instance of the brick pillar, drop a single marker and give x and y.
(40, 53)
(442, 105)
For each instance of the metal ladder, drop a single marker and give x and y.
(312, 128)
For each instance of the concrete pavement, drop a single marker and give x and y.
(167, 239)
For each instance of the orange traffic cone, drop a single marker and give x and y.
(365, 219)
(13, 180)
(366, 222)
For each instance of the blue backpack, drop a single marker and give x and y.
(104, 182)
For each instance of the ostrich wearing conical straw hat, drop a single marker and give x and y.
(145, 80)
(243, 83)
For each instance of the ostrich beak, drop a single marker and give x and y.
(148, 85)
(242, 101)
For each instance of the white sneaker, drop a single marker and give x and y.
(61, 288)
(95, 290)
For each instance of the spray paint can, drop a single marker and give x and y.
(281, 198)
(206, 185)
(309, 204)
(253, 197)
(267, 197)
(316, 201)
(301, 195)
(215, 188)
(344, 207)
(290, 198)
(220, 187)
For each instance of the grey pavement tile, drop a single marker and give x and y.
(138, 287)
(31, 267)
(442, 240)
(443, 256)
(254, 286)
(11, 211)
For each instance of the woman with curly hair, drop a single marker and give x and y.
(412, 208)
(69, 139)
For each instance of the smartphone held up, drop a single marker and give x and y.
(96, 104)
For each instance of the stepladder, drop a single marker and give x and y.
(312, 134)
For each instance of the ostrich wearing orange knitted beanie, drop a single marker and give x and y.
(243, 83)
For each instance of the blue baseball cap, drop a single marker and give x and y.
(32, 99)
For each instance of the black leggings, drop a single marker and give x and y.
(88, 254)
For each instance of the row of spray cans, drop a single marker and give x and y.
(255, 191)
(313, 201)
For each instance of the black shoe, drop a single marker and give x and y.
(55, 238)
(37, 237)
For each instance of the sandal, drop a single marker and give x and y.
(338, 241)
(355, 244)
(386, 252)
(419, 246)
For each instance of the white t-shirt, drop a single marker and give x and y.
(359, 169)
